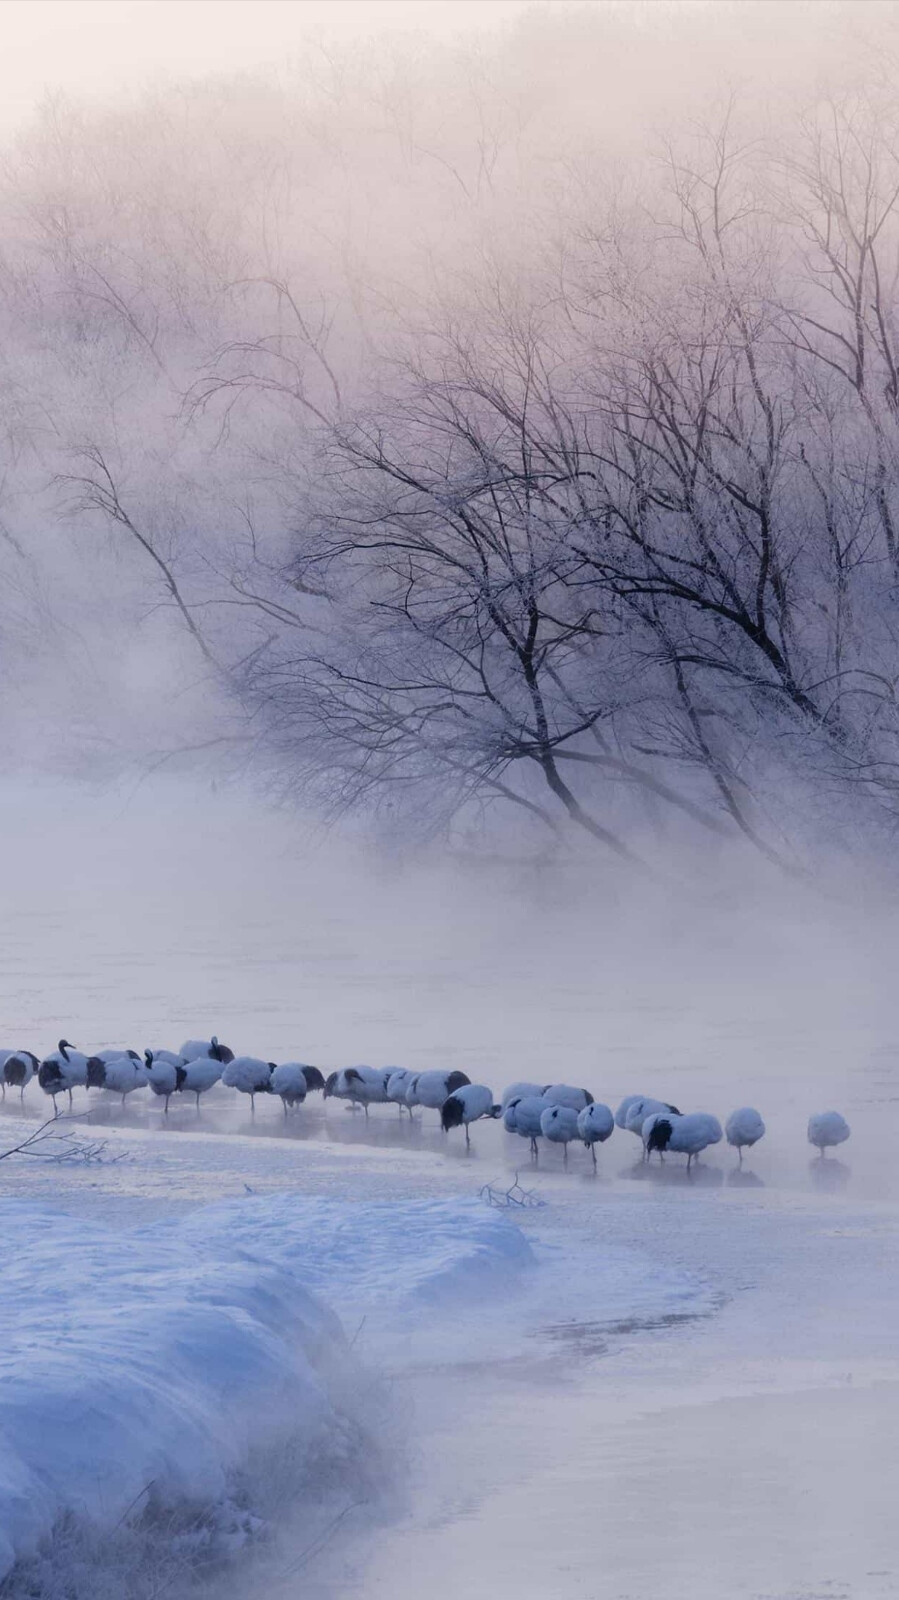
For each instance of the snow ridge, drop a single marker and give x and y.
(154, 1361)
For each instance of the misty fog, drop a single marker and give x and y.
(449, 546)
(470, 436)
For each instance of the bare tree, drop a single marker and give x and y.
(94, 489)
(618, 537)
(603, 530)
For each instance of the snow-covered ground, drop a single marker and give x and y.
(143, 1366)
(646, 1385)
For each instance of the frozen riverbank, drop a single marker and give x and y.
(143, 1368)
(718, 1353)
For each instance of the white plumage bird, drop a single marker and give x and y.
(337, 1086)
(594, 1125)
(374, 1084)
(410, 1088)
(249, 1075)
(685, 1135)
(644, 1107)
(362, 1086)
(522, 1091)
(199, 1075)
(523, 1117)
(162, 1073)
(123, 1075)
(510, 1116)
(289, 1081)
(171, 1056)
(467, 1105)
(430, 1089)
(397, 1084)
(64, 1069)
(563, 1094)
(625, 1106)
(18, 1067)
(194, 1049)
(826, 1129)
(743, 1129)
(651, 1139)
(558, 1124)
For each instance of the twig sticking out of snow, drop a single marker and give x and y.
(48, 1144)
(128, 1509)
(319, 1542)
(513, 1196)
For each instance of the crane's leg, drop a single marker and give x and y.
(593, 1154)
(467, 1139)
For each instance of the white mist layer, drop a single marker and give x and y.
(150, 916)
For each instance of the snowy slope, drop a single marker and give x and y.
(127, 1363)
(436, 1280)
(162, 1356)
(144, 1366)
(428, 1253)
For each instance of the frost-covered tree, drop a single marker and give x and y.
(400, 422)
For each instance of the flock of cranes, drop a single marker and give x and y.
(558, 1113)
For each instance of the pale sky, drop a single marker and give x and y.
(102, 47)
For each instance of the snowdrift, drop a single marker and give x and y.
(429, 1254)
(149, 1365)
(155, 1360)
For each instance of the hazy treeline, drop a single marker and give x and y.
(507, 430)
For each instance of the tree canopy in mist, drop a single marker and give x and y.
(463, 435)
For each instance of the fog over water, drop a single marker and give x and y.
(449, 548)
(145, 914)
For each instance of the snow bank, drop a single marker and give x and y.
(431, 1253)
(151, 1364)
(164, 1355)
(455, 1281)
(127, 1362)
